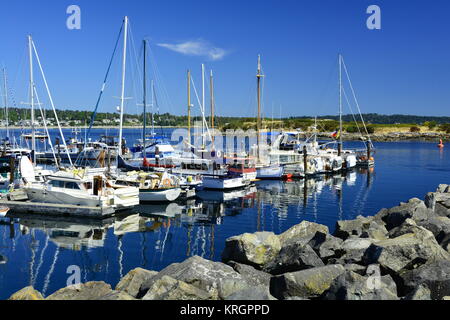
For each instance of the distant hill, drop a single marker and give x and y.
(74, 117)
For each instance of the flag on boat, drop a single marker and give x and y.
(336, 134)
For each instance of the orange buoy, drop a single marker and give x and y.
(440, 145)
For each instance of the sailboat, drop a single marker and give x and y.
(264, 169)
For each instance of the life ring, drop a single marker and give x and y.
(166, 183)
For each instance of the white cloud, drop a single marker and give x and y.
(196, 48)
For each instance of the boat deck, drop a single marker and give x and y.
(18, 203)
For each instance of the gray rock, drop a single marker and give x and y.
(168, 288)
(27, 293)
(408, 226)
(442, 208)
(435, 275)
(93, 290)
(117, 295)
(414, 209)
(421, 292)
(440, 227)
(293, 257)
(347, 228)
(304, 231)
(432, 198)
(375, 230)
(133, 281)
(251, 275)
(406, 251)
(216, 278)
(254, 293)
(252, 248)
(326, 245)
(353, 250)
(353, 286)
(443, 188)
(307, 283)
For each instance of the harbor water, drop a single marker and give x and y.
(44, 252)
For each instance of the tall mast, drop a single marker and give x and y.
(258, 120)
(211, 85)
(33, 134)
(153, 109)
(189, 104)
(203, 105)
(5, 96)
(144, 129)
(340, 103)
(122, 97)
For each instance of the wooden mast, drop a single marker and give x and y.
(258, 120)
(211, 85)
(33, 133)
(340, 106)
(144, 128)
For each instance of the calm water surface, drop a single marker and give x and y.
(38, 250)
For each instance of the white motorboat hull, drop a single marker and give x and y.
(159, 195)
(224, 183)
(270, 172)
(61, 196)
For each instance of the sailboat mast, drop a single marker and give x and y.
(203, 105)
(122, 97)
(33, 133)
(5, 96)
(153, 109)
(340, 105)
(144, 129)
(211, 85)
(258, 120)
(189, 104)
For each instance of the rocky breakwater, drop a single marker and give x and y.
(401, 253)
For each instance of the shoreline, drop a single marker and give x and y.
(401, 253)
(376, 137)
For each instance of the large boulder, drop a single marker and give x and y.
(216, 278)
(293, 257)
(251, 275)
(252, 248)
(346, 228)
(27, 293)
(414, 209)
(168, 288)
(309, 283)
(352, 251)
(133, 281)
(117, 295)
(421, 292)
(304, 231)
(440, 227)
(434, 274)
(326, 246)
(406, 251)
(254, 293)
(353, 286)
(93, 290)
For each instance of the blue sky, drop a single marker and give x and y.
(402, 68)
